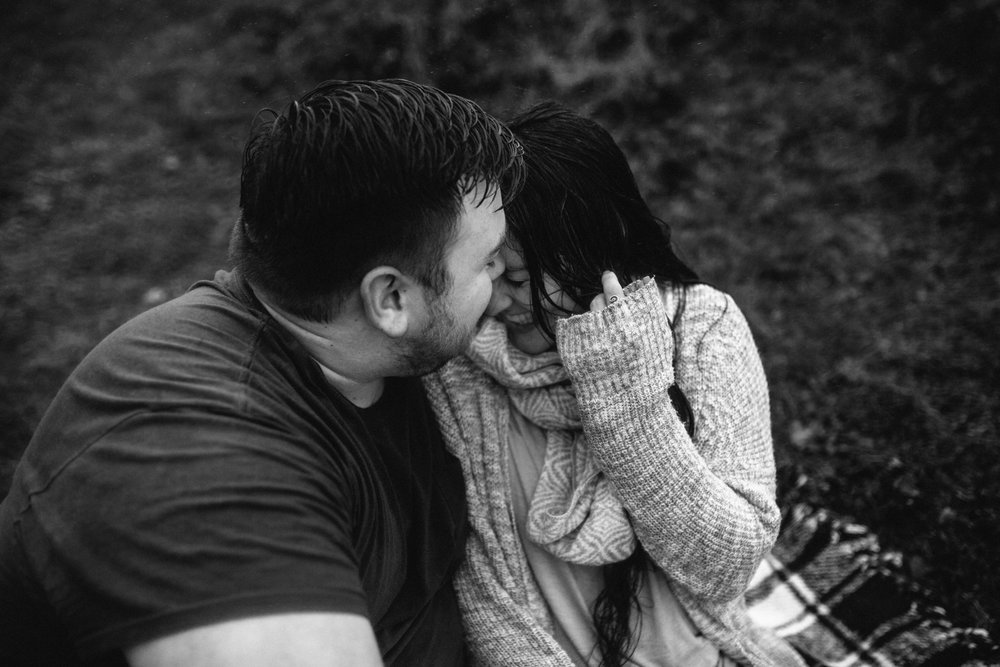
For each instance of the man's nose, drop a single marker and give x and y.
(499, 299)
(497, 268)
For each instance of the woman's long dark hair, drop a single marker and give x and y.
(580, 213)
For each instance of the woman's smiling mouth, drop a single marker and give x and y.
(519, 320)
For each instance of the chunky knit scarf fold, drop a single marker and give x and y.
(574, 513)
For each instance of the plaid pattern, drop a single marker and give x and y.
(841, 601)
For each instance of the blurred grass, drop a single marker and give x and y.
(834, 167)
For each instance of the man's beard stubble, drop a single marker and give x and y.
(440, 341)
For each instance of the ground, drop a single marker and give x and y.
(833, 166)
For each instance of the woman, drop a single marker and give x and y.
(615, 441)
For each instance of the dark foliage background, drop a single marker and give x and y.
(833, 165)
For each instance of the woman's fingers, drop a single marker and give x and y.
(613, 292)
(612, 288)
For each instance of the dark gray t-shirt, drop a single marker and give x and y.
(197, 467)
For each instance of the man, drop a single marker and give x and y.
(250, 474)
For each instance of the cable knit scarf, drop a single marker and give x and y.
(575, 513)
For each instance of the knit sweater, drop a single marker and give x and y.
(702, 507)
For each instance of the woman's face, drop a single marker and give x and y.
(513, 294)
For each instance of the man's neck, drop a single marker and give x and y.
(339, 351)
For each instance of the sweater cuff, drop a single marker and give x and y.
(627, 346)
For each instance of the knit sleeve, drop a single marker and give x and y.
(703, 508)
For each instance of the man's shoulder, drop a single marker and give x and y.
(219, 305)
(206, 351)
(210, 326)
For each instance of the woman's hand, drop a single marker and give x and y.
(613, 292)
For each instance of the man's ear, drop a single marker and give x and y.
(388, 297)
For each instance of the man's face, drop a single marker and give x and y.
(473, 262)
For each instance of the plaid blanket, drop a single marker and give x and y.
(842, 601)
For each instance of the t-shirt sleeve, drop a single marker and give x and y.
(194, 518)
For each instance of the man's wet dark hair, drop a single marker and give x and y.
(580, 213)
(355, 174)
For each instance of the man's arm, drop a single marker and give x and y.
(292, 640)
